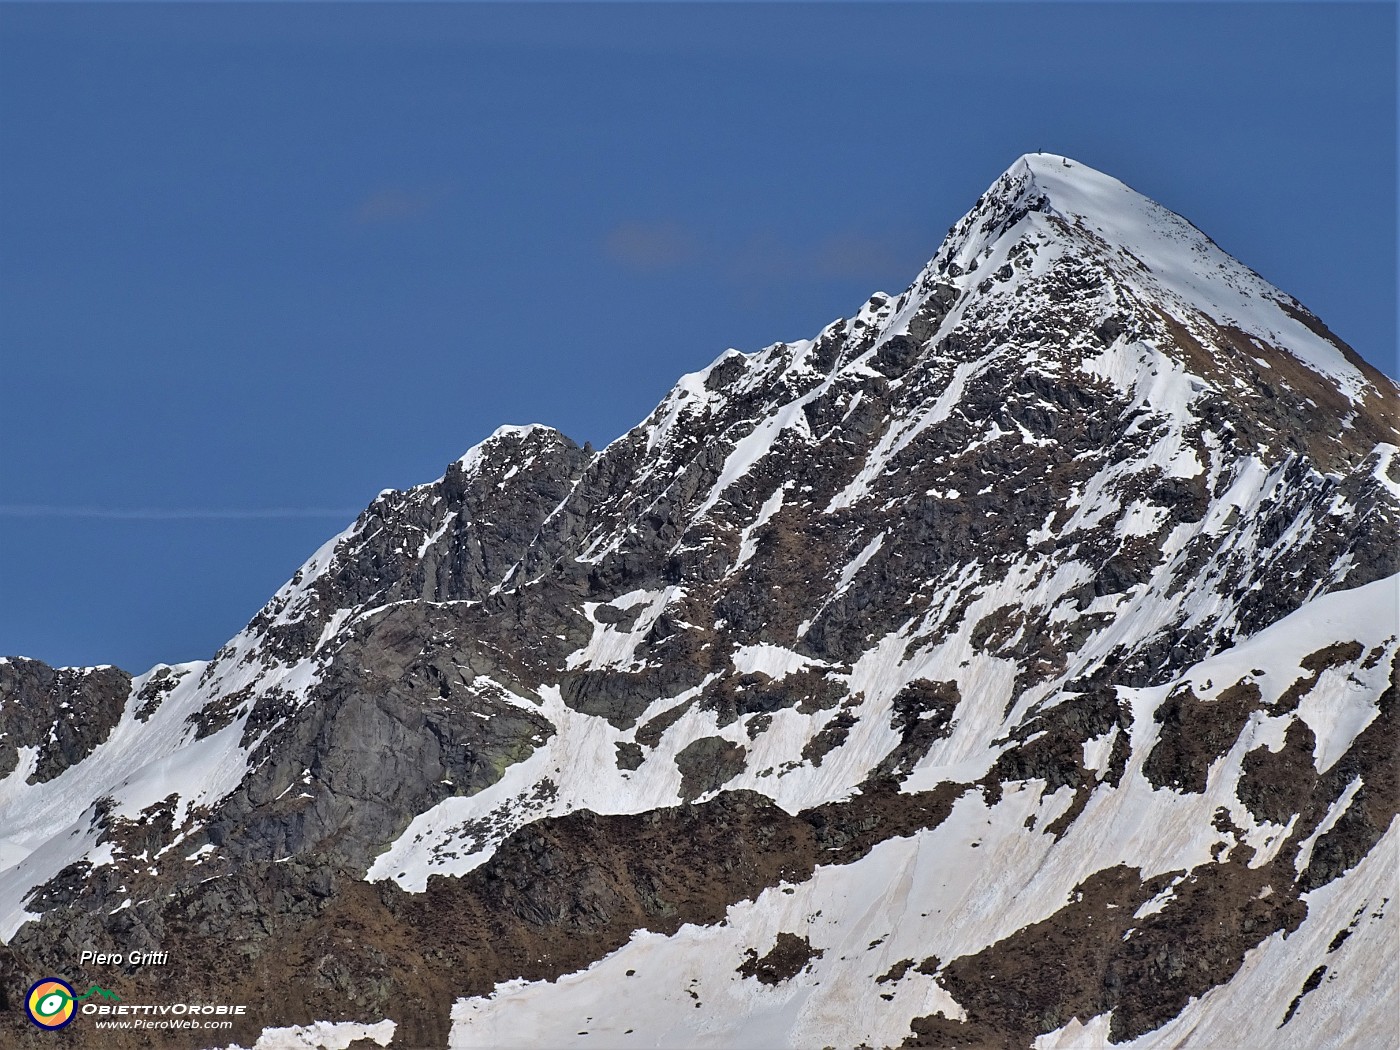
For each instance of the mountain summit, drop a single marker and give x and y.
(1010, 664)
(1155, 250)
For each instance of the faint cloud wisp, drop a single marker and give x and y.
(862, 257)
(39, 510)
(651, 247)
(852, 256)
(395, 204)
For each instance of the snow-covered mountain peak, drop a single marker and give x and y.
(1073, 562)
(1080, 196)
(1047, 214)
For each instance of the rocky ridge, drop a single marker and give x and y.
(1035, 626)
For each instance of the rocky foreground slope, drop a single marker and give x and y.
(1010, 665)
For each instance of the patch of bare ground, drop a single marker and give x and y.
(707, 764)
(1338, 654)
(738, 696)
(896, 972)
(651, 733)
(788, 957)
(1195, 733)
(1380, 408)
(1274, 785)
(1310, 985)
(1290, 407)
(828, 738)
(1092, 956)
(922, 714)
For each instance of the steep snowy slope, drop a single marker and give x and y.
(1012, 663)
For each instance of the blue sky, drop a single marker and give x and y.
(258, 262)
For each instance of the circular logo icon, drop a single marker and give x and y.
(50, 1003)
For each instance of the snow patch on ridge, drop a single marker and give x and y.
(575, 768)
(771, 660)
(748, 543)
(611, 647)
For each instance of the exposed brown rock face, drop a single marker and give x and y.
(787, 958)
(1083, 961)
(1275, 785)
(1195, 733)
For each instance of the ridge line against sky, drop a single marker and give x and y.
(262, 261)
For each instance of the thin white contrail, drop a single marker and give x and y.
(40, 510)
